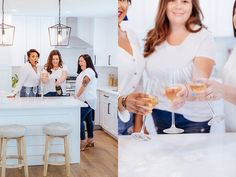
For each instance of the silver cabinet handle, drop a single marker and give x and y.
(106, 96)
(108, 108)
(95, 59)
(109, 60)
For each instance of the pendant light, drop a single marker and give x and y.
(59, 34)
(7, 32)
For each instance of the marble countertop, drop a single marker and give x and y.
(108, 89)
(38, 102)
(185, 155)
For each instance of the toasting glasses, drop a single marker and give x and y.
(151, 103)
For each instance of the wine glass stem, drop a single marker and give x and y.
(172, 119)
(143, 125)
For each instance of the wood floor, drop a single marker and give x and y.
(99, 161)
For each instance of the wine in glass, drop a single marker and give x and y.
(198, 87)
(151, 102)
(171, 91)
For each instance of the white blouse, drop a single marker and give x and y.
(27, 77)
(50, 85)
(229, 77)
(130, 70)
(180, 58)
(90, 93)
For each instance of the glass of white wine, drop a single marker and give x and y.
(151, 101)
(171, 91)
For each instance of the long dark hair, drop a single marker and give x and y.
(233, 18)
(159, 33)
(89, 64)
(48, 66)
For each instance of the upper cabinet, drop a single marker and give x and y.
(31, 32)
(218, 16)
(105, 41)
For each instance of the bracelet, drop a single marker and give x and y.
(123, 101)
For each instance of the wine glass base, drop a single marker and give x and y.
(141, 136)
(173, 130)
(215, 120)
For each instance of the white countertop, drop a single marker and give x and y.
(108, 89)
(38, 102)
(185, 155)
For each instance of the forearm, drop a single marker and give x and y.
(230, 94)
(138, 122)
(81, 90)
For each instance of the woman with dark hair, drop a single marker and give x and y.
(54, 75)
(227, 89)
(28, 84)
(130, 71)
(86, 86)
(178, 43)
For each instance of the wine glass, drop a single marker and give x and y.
(199, 87)
(153, 101)
(171, 91)
(35, 90)
(27, 91)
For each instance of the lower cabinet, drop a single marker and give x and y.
(108, 113)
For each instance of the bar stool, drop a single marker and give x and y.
(13, 132)
(57, 130)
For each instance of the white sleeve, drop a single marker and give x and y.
(24, 71)
(124, 116)
(207, 47)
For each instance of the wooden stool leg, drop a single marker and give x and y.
(0, 151)
(23, 149)
(4, 152)
(67, 155)
(19, 151)
(46, 155)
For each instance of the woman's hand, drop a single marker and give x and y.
(181, 98)
(138, 103)
(215, 91)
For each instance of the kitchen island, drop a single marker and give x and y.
(34, 113)
(183, 155)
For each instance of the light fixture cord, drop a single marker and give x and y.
(59, 12)
(2, 12)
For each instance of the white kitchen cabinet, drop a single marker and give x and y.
(19, 47)
(97, 111)
(105, 41)
(108, 113)
(31, 33)
(45, 47)
(5, 82)
(218, 16)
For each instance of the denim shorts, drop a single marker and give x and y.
(124, 128)
(162, 120)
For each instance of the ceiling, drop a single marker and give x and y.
(87, 8)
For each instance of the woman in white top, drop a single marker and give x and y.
(28, 84)
(86, 87)
(54, 75)
(181, 42)
(227, 89)
(130, 69)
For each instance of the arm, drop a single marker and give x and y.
(62, 78)
(230, 94)
(138, 122)
(85, 82)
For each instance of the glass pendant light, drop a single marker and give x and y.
(7, 32)
(59, 34)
